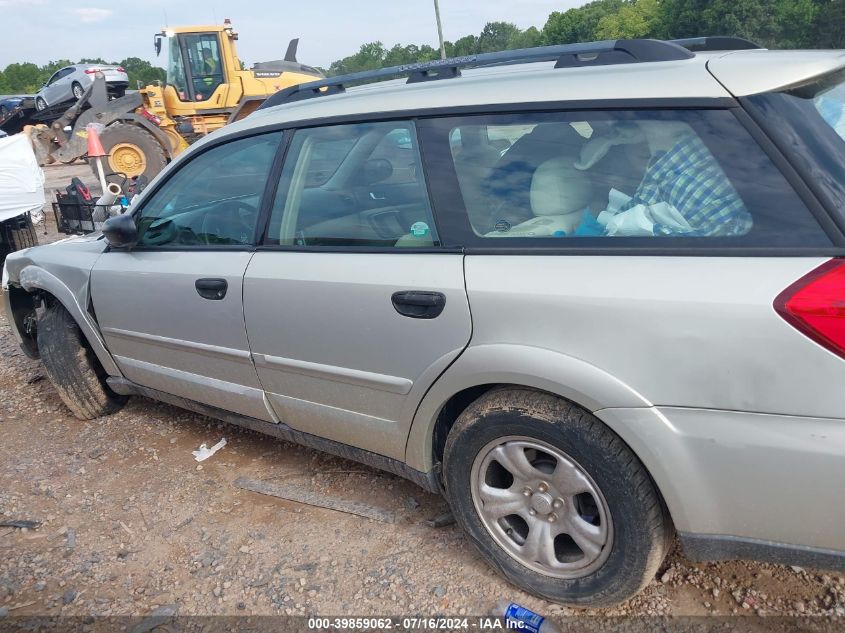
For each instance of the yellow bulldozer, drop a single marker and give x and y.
(207, 87)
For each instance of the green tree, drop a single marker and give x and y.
(796, 20)
(642, 18)
(756, 20)
(580, 24)
(467, 45)
(528, 38)
(497, 36)
(24, 77)
(141, 72)
(829, 28)
(369, 57)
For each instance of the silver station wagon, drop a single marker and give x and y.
(593, 294)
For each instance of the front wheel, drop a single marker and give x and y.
(71, 365)
(553, 499)
(40, 104)
(132, 151)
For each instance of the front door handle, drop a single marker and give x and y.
(419, 304)
(212, 289)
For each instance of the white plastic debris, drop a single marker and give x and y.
(204, 452)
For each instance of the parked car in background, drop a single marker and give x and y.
(69, 83)
(7, 104)
(596, 300)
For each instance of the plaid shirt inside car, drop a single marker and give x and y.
(689, 178)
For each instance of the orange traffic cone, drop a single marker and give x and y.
(95, 147)
(96, 151)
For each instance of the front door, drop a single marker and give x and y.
(171, 309)
(353, 309)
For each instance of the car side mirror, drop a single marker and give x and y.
(120, 231)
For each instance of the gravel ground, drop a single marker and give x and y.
(131, 523)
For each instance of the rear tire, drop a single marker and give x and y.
(584, 549)
(72, 366)
(40, 104)
(77, 90)
(132, 151)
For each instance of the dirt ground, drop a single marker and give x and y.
(131, 523)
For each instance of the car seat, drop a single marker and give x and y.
(507, 188)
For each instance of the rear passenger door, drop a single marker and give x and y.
(352, 305)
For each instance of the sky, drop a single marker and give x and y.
(42, 30)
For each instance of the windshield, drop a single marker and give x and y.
(175, 68)
(809, 123)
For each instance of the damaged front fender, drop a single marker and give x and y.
(63, 270)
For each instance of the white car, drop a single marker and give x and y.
(70, 82)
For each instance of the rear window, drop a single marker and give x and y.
(620, 178)
(808, 121)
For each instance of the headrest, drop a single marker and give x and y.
(557, 188)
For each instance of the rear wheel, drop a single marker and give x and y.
(77, 90)
(132, 151)
(553, 499)
(40, 104)
(72, 366)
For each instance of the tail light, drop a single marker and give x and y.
(121, 69)
(815, 305)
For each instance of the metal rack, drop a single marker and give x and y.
(76, 217)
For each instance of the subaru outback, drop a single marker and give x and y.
(593, 294)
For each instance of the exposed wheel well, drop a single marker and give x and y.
(23, 312)
(24, 305)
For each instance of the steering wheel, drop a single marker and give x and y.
(231, 222)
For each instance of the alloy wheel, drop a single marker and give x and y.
(541, 507)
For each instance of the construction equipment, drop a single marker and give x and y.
(206, 88)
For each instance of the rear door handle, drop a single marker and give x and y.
(419, 304)
(212, 289)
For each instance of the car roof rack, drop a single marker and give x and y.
(566, 56)
(716, 43)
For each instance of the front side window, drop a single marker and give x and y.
(358, 185)
(809, 121)
(176, 68)
(213, 200)
(622, 175)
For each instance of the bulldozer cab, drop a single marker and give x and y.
(200, 64)
(206, 78)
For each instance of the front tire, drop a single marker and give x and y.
(71, 365)
(553, 499)
(132, 151)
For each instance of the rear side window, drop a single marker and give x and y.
(808, 121)
(620, 178)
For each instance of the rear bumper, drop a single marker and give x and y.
(745, 485)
